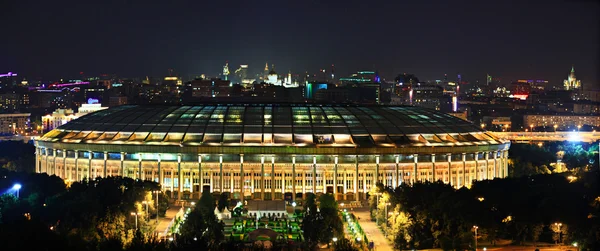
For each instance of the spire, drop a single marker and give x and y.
(572, 68)
(266, 66)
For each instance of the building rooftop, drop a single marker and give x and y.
(299, 125)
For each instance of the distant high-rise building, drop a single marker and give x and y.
(571, 83)
(14, 123)
(272, 77)
(226, 71)
(242, 72)
(332, 72)
(266, 71)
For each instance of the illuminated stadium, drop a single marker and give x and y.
(273, 151)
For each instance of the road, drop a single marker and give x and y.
(165, 222)
(549, 136)
(371, 230)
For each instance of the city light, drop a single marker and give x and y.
(16, 188)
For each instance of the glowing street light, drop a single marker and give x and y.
(136, 219)
(475, 227)
(294, 207)
(386, 217)
(555, 126)
(558, 225)
(146, 203)
(156, 192)
(335, 239)
(17, 187)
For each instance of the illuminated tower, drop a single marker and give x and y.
(242, 72)
(332, 72)
(266, 71)
(571, 83)
(226, 71)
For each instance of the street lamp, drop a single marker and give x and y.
(475, 227)
(555, 126)
(376, 205)
(294, 207)
(156, 192)
(578, 127)
(17, 187)
(136, 219)
(386, 218)
(146, 203)
(334, 239)
(558, 225)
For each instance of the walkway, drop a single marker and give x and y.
(164, 223)
(371, 230)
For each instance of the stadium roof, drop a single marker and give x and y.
(301, 125)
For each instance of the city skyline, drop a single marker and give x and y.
(509, 40)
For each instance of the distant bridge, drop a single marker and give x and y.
(526, 137)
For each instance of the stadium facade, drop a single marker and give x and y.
(273, 151)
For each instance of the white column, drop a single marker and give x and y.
(122, 164)
(179, 177)
(104, 172)
(65, 176)
(46, 151)
(449, 156)
(487, 170)
(273, 178)
(231, 181)
(211, 182)
(262, 177)
(398, 181)
(172, 180)
(76, 165)
(476, 166)
(38, 169)
(345, 186)
(335, 173)
(377, 169)
(495, 164)
(314, 173)
(464, 160)
(140, 171)
(221, 182)
(161, 179)
(303, 184)
(433, 177)
(293, 178)
(201, 175)
(505, 154)
(242, 178)
(90, 154)
(415, 169)
(356, 178)
(54, 161)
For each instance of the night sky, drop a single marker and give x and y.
(507, 39)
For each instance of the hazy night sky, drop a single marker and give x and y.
(507, 39)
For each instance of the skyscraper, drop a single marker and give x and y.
(266, 71)
(226, 71)
(571, 83)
